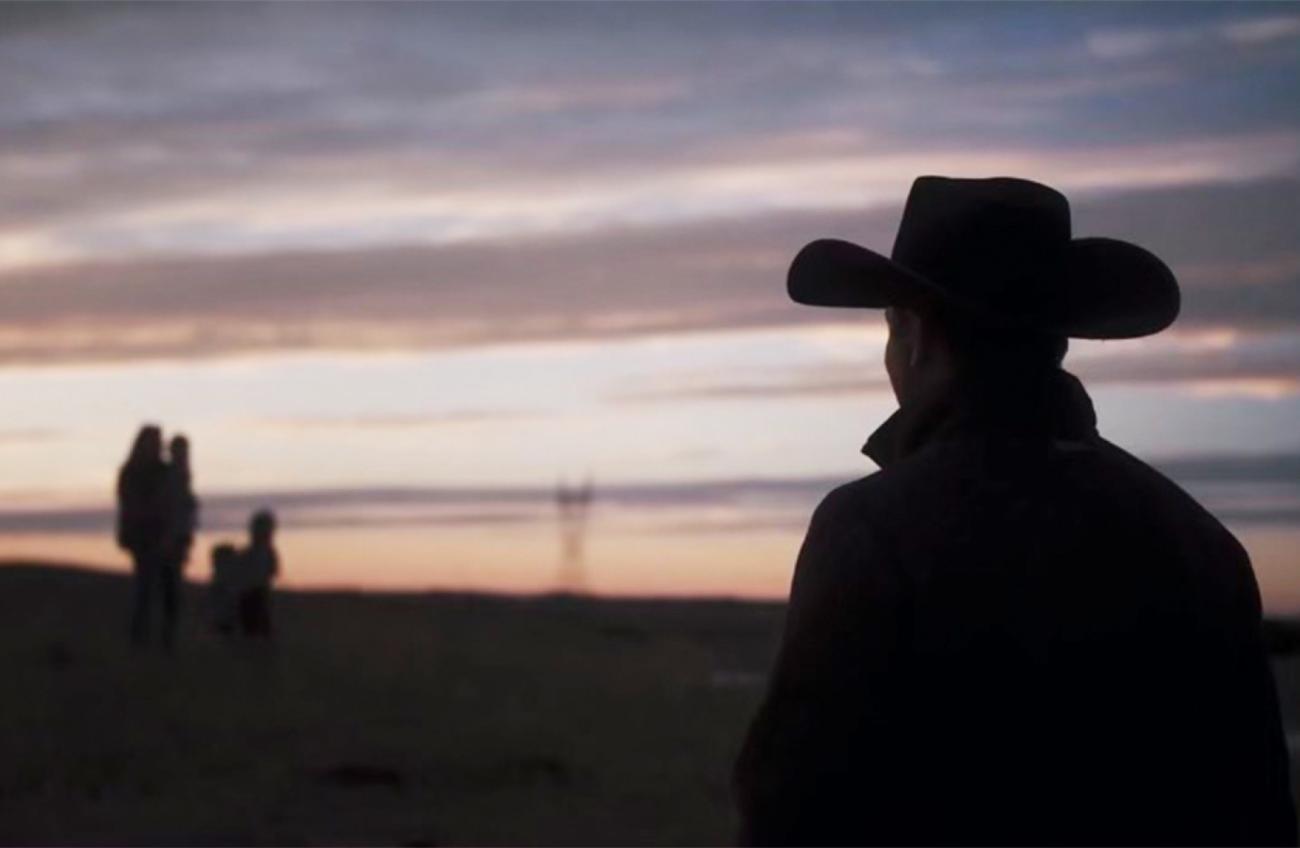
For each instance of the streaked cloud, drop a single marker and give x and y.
(402, 177)
(403, 421)
(18, 436)
(1222, 362)
(1265, 29)
(1138, 42)
(1234, 246)
(1244, 488)
(380, 203)
(286, 127)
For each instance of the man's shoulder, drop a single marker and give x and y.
(858, 504)
(945, 475)
(883, 490)
(1158, 491)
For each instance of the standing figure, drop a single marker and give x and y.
(258, 566)
(224, 588)
(574, 505)
(1014, 632)
(184, 506)
(143, 523)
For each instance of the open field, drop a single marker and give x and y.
(416, 719)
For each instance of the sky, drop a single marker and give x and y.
(398, 269)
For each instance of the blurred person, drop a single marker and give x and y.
(184, 506)
(1014, 632)
(258, 567)
(143, 522)
(224, 588)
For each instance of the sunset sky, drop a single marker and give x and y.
(398, 269)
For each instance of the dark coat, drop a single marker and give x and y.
(144, 508)
(1015, 632)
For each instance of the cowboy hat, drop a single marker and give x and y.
(999, 251)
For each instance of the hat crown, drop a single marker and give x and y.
(1001, 238)
(1000, 252)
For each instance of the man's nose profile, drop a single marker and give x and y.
(1011, 631)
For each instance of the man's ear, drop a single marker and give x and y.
(907, 324)
(917, 338)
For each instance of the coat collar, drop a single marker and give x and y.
(1053, 405)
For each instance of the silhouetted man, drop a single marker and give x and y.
(1014, 632)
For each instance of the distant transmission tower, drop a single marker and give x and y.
(574, 505)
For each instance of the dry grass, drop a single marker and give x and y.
(377, 720)
(406, 720)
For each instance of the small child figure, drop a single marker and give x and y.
(224, 589)
(258, 566)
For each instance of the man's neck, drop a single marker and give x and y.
(1046, 404)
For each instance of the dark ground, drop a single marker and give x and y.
(380, 719)
(393, 719)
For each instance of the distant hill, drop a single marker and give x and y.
(1281, 634)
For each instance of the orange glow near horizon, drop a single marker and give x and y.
(625, 562)
(622, 561)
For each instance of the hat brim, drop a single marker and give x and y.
(1106, 288)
